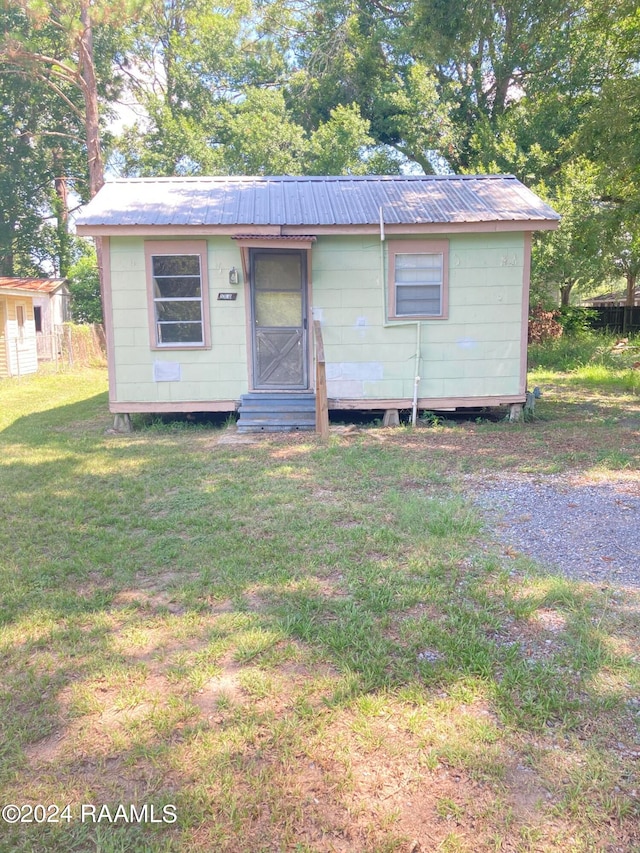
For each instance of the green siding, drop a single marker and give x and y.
(475, 352)
(218, 373)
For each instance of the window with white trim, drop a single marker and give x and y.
(178, 294)
(418, 280)
(21, 320)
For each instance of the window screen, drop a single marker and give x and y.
(177, 299)
(418, 284)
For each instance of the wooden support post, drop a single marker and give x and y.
(322, 405)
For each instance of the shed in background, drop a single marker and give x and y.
(18, 348)
(51, 310)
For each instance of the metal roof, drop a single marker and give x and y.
(314, 201)
(614, 299)
(32, 285)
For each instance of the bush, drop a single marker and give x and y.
(575, 321)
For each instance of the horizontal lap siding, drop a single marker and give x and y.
(476, 352)
(483, 356)
(218, 373)
(19, 357)
(4, 367)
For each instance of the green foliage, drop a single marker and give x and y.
(335, 147)
(260, 138)
(587, 348)
(545, 90)
(623, 240)
(572, 258)
(612, 131)
(43, 128)
(84, 287)
(38, 138)
(576, 321)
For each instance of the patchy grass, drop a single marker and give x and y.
(596, 360)
(305, 646)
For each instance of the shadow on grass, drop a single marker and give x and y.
(190, 623)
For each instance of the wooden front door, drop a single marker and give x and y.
(279, 319)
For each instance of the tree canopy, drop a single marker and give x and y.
(546, 90)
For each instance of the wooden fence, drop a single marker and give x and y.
(72, 344)
(617, 318)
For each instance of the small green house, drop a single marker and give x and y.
(420, 286)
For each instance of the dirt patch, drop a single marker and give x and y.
(220, 691)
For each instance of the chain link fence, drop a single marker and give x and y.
(73, 345)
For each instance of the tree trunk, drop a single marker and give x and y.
(6, 248)
(90, 95)
(631, 289)
(92, 123)
(565, 293)
(61, 205)
(628, 308)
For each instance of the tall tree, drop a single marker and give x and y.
(611, 135)
(42, 146)
(574, 257)
(218, 101)
(53, 44)
(623, 242)
(354, 53)
(192, 66)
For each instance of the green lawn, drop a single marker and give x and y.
(297, 646)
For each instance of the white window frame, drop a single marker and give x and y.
(191, 248)
(4, 317)
(21, 311)
(418, 247)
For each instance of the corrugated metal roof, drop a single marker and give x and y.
(33, 285)
(314, 201)
(614, 299)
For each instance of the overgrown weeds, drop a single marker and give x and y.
(584, 349)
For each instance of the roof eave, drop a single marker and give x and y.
(10, 291)
(104, 230)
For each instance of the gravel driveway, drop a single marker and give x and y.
(587, 531)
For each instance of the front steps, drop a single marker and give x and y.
(277, 411)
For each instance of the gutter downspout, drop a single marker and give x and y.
(416, 379)
(387, 325)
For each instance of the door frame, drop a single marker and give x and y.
(304, 243)
(304, 327)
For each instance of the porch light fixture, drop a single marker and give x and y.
(234, 276)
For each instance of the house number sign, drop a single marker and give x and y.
(227, 297)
